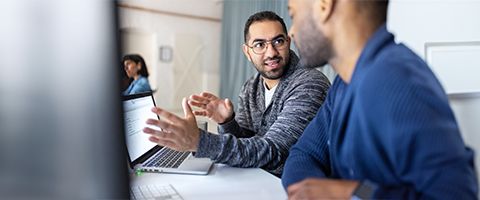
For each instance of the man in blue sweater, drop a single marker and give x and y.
(386, 129)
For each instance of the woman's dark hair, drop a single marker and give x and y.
(137, 59)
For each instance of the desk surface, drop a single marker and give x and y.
(223, 182)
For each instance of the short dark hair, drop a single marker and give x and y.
(262, 16)
(376, 9)
(137, 59)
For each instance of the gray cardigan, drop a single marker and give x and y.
(262, 137)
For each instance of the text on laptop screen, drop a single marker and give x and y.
(137, 111)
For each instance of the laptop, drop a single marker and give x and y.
(147, 156)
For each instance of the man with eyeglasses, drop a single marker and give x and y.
(275, 105)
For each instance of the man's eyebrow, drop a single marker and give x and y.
(274, 38)
(279, 36)
(259, 40)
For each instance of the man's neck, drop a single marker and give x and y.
(270, 83)
(348, 45)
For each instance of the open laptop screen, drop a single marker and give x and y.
(137, 109)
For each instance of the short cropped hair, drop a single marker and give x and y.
(262, 16)
(376, 9)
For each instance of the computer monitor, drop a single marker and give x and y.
(61, 123)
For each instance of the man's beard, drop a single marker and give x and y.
(272, 75)
(314, 48)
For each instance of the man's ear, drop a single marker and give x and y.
(323, 10)
(245, 51)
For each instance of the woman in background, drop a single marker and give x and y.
(136, 70)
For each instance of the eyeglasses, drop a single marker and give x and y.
(260, 47)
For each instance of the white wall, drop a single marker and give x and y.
(416, 22)
(205, 8)
(199, 21)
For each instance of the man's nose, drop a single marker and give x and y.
(271, 51)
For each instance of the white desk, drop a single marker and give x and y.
(222, 182)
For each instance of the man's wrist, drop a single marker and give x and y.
(364, 190)
(196, 141)
(229, 119)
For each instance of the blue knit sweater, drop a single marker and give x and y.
(392, 125)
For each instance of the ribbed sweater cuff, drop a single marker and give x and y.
(229, 126)
(208, 146)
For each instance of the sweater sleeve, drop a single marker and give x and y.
(309, 157)
(234, 128)
(271, 150)
(420, 134)
(240, 126)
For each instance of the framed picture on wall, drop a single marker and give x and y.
(166, 53)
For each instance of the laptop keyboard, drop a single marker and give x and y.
(154, 192)
(167, 158)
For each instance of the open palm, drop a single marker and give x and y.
(218, 110)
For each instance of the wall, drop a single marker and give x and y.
(195, 65)
(416, 22)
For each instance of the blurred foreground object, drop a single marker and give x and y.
(61, 131)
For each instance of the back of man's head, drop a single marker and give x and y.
(262, 16)
(374, 10)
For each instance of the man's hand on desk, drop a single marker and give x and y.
(180, 134)
(322, 189)
(218, 110)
